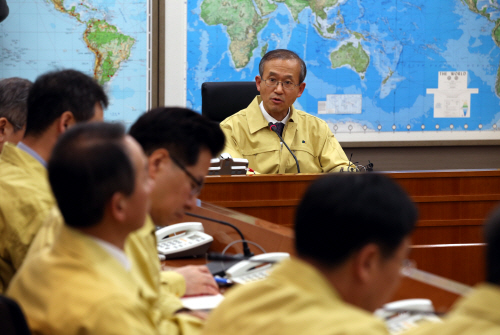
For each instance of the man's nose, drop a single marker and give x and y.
(191, 202)
(279, 88)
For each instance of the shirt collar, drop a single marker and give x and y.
(32, 152)
(114, 251)
(269, 118)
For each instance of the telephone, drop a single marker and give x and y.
(247, 271)
(403, 315)
(188, 239)
(227, 165)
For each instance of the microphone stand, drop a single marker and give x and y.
(246, 249)
(273, 129)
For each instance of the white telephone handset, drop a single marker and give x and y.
(403, 315)
(248, 271)
(188, 239)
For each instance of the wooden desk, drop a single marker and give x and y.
(452, 204)
(273, 237)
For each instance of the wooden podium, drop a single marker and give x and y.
(452, 205)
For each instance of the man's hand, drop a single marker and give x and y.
(199, 280)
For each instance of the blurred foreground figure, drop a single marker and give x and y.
(479, 312)
(352, 236)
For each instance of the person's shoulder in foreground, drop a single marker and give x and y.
(479, 312)
(349, 256)
(295, 299)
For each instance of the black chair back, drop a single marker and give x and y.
(12, 321)
(222, 99)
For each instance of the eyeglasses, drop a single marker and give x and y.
(198, 185)
(287, 84)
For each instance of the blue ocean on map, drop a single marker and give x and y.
(36, 38)
(408, 43)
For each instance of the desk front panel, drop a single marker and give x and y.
(452, 204)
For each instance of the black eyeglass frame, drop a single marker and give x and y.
(199, 184)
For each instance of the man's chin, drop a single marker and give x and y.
(176, 218)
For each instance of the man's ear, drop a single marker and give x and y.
(301, 89)
(117, 207)
(258, 81)
(3, 128)
(156, 161)
(366, 262)
(66, 120)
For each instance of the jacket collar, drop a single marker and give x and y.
(257, 121)
(78, 246)
(19, 158)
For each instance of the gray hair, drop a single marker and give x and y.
(284, 55)
(13, 96)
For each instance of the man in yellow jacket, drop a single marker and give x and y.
(479, 312)
(162, 133)
(57, 101)
(351, 237)
(83, 284)
(179, 144)
(280, 82)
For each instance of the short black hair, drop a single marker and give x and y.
(89, 164)
(181, 131)
(13, 97)
(284, 55)
(341, 213)
(56, 92)
(492, 238)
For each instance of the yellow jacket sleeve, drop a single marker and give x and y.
(25, 202)
(231, 145)
(161, 288)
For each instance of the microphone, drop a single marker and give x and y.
(349, 168)
(370, 166)
(216, 256)
(272, 126)
(246, 249)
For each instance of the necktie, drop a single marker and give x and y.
(279, 127)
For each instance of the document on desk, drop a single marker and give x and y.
(202, 302)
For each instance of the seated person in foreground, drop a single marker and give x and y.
(56, 101)
(82, 284)
(349, 256)
(161, 133)
(13, 109)
(479, 312)
(179, 144)
(280, 82)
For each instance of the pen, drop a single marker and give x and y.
(222, 281)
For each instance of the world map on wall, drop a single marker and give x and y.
(106, 39)
(373, 66)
